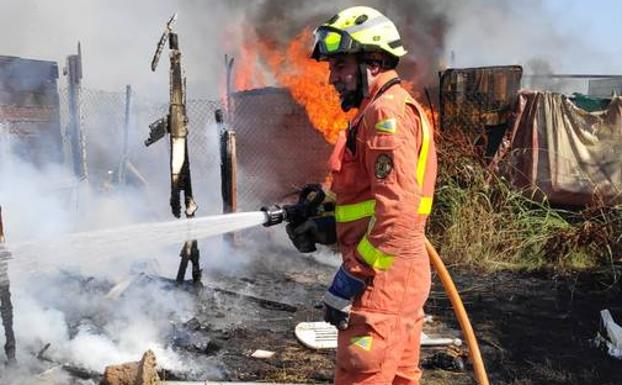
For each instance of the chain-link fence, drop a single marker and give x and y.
(278, 150)
(103, 121)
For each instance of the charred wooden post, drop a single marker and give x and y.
(232, 162)
(228, 158)
(228, 169)
(189, 252)
(228, 166)
(176, 125)
(6, 307)
(73, 70)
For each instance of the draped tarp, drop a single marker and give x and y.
(559, 151)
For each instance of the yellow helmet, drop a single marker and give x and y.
(357, 30)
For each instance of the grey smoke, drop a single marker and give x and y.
(119, 37)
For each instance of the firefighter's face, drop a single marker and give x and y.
(344, 76)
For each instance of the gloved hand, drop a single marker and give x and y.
(338, 299)
(322, 230)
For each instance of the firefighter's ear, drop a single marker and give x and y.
(374, 68)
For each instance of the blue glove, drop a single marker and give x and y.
(338, 299)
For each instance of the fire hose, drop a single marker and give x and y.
(461, 314)
(311, 203)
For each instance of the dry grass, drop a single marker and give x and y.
(480, 221)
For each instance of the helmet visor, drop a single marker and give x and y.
(329, 42)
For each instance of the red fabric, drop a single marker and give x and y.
(390, 309)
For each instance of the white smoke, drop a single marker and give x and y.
(43, 203)
(55, 306)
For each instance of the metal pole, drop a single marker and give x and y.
(78, 140)
(228, 70)
(232, 160)
(126, 129)
(6, 307)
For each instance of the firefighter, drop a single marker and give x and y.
(383, 175)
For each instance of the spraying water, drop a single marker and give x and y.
(95, 246)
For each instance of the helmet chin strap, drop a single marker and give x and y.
(363, 84)
(354, 98)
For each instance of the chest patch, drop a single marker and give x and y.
(384, 165)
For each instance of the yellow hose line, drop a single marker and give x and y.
(463, 319)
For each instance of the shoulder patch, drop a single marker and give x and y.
(387, 125)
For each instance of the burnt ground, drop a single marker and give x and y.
(532, 328)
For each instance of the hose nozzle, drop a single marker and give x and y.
(274, 215)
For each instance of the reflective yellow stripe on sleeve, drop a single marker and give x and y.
(425, 205)
(423, 155)
(374, 257)
(355, 211)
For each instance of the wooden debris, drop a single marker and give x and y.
(74, 370)
(142, 372)
(263, 302)
(120, 288)
(262, 354)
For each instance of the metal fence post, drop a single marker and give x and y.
(126, 130)
(76, 133)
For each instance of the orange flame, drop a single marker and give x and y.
(248, 75)
(306, 79)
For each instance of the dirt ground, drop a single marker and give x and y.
(532, 328)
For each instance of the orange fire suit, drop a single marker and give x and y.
(383, 179)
